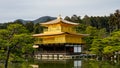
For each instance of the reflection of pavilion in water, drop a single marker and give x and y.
(77, 64)
(60, 64)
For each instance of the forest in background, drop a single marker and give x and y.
(109, 23)
(104, 38)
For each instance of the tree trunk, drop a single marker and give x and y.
(7, 57)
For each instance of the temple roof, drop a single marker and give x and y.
(42, 34)
(59, 19)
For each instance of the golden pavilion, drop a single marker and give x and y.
(58, 40)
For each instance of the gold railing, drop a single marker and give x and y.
(45, 30)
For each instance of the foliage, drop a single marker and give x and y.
(97, 47)
(104, 33)
(108, 45)
(15, 42)
(38, 28)
(94, 34)
(112, 42)
(29, 26)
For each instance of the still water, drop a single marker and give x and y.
(65, 64)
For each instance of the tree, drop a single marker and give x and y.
(15, 41)
(38, 28)
(67, 18)
(86, 20)
(97, 48)
(107, 46)
(112, 43)
(30, 26)
(81, 28)
(114, 21)
(95, 36)
(117, 18)
(76, 19)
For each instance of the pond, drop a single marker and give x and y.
(65, 64)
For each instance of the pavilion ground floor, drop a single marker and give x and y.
(58, 51)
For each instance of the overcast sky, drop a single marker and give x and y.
(11, 10)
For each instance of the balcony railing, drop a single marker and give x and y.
(52, 52)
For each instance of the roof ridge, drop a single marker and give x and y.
(59, 19)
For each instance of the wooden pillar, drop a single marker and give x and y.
(65, 48)
(54, 49)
